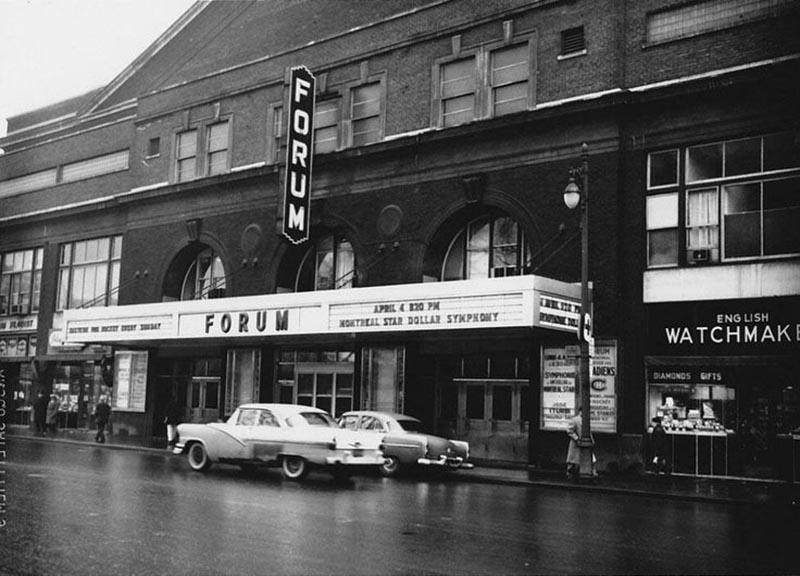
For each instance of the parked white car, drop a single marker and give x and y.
(293, 437)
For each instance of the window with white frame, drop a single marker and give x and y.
(20, 281)
(202, 151)
(510, 70)
(217, 136)
(327, 119)
(457, 89)
(740, 199)
(488, 81)
(89, 273)
(365, 113)
(186, 156)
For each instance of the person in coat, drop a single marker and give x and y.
(574, 429)
(659, 442)
(52, 414)
(102, 412)
(173, 417)
(40, 413)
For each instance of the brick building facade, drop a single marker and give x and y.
(141, 220)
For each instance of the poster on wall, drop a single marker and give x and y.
(559, 384)
(130, 381)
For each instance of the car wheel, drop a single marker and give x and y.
(198, 457)
(390, 466)
(294, 468)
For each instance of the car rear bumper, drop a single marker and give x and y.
(453, 462)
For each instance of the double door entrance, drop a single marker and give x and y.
(203, 399)
(490, 414)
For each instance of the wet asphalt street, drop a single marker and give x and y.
(86, 510)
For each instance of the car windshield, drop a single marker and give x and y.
(311, 419)
(411, 425)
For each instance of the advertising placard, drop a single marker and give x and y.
(130, 381)
(560, 381)
(299, 154)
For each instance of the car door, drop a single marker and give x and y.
(265, 436)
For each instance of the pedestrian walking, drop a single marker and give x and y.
(40, 413)
(659, 441)
(574, 429)
(52, 414)
(102, 412)
(172, 419)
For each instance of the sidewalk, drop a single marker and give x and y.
(689, 488)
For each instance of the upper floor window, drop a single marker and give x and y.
(490, 81)
(205, 277)
(329, 265)
(458, 91)
(89, 273)
(186, 156)
(327, 118)
(509, 79)
(365, 113)
(691, 19)
(737, 198)
(20, 281)
(217, 148)
(488, 247)
(213, 142)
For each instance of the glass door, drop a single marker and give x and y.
(203, 399)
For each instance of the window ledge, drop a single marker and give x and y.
(571, 55)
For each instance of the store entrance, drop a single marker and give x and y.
(203, 399)
(488, 414)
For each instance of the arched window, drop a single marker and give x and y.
(205, 277)
(329, 265)
(487, 247)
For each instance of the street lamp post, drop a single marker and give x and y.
(575, 195)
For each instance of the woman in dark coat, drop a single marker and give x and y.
(40, 413)
(659, 442)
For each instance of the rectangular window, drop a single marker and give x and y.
(89, 273)
(153, 147)
(186, 155)
(662, 169)
(278, 141)
(704, 162)
(20, 281)
(457, 89)
(327, 116)
(702, 219)
(217, 146)
(687, 20)
(749, 208)
(761, 218)
(509, 79)
(105, 164)
(662, 230)
(366, 113)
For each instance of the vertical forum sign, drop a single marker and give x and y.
(299, 154)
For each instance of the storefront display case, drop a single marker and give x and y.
(700, 424)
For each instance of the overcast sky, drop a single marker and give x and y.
(51, 50)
